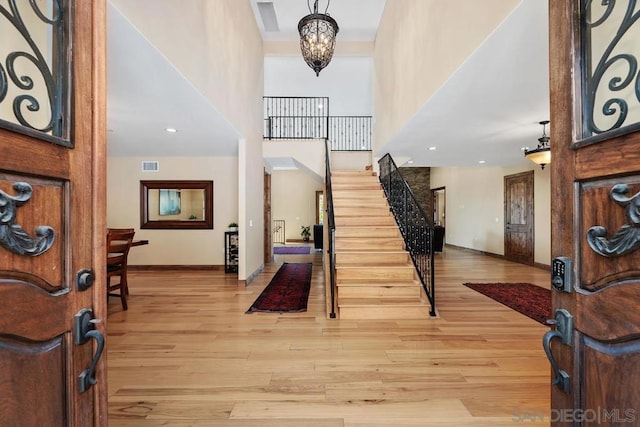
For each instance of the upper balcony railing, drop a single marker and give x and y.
(308, 118)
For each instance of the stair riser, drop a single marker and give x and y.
(372, 258)
(354, 244)
(338, 175)
(370, 221)
(379, 202)
(381, 313)
(365, 273)
(369, 232)
(378, 291)
(355, 186)
(359, 200)
(357, 194)
(361, 211)
(353, 174)
(355, 181)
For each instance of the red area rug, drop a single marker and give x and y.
(291, 250)
(530, 300)
(288, 291)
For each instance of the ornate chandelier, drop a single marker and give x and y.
(542, 154)
(317, 37)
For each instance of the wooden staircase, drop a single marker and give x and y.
(375, 277)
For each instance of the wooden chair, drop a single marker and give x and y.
(118, 245)
(119, 230)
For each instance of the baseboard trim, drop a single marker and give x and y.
(491, 254)
(476, 251)
(542, 266)
(253, 275)
(175, 267)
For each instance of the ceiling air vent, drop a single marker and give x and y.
(268, 15)
(150, 166)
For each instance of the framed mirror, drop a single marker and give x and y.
(176, 204)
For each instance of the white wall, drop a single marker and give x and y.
(173, 247)
(293, 199)
(475, 208)
(217, 46)
(308, 152)
(346, 81)
(419, 45)
(350, 160)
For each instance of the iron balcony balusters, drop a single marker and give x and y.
(308, 118)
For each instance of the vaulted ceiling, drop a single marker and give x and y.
(486, 111)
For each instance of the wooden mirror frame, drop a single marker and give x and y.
(207, 223)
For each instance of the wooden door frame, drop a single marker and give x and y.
(530, 176)
(268, 235)
(99, 190)
(434, 192)
(318, 194)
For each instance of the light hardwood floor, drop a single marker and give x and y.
(186, 354)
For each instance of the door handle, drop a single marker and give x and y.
(84, 331)
(564, 332)
(88, 377)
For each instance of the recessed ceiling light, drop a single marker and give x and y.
(171, 130)
(432, 148)
(410, 162)
(482, 162)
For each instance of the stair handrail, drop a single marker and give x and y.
(331, 227)
(415, 225)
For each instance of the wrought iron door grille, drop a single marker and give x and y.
(609, 55)
(35, 58)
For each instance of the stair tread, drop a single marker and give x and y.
(340, 265)
(377, 301)
(368, 250)
(368, 192)
(362, 211)
(356, 283)
(370, 241)
(394, 266)
(372, 227)
(382, 252)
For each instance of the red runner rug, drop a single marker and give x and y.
(530, 300)
(288, 291)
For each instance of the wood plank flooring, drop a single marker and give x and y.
(186, 354)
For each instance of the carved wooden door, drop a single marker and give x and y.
(52, 155)
(595, 178)
(518, 213)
